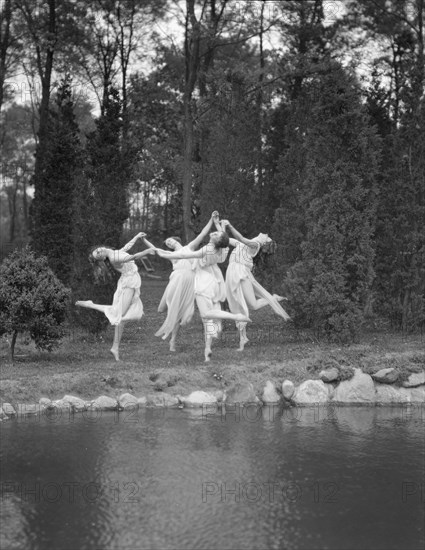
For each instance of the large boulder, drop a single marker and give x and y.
(76, 403)
(386, 394)
(104, 403)
(45, 402)
(385, 376)
(414, 380)
(240, 393)
(417, 395)
(199, 399)
(310, 392)
(126, 400)
(8, 409)
(270, 394)
(161, 399)
(329, 375)
(359, 389)
(288, 389)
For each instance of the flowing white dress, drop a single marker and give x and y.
(179, 296)
(239, 269)
(130, 278)
(210, 285)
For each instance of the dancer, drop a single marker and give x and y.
(209, 282)
(126, 304)
(179, 295)
(243, 291)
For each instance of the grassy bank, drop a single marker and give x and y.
(83, 366)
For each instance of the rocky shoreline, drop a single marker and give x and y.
(361, 389)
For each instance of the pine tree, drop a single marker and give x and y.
(331, 283)
(52, 207)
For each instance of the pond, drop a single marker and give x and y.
(309, 478)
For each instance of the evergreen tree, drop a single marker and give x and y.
(330, 285)
(52, 207)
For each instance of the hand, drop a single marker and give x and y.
(151, 251)
(141, 235)
(215, 215)
(225, 223)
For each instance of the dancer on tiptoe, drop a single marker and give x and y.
(209, 282)
(179, 295)
(126, 304)
(243, 291)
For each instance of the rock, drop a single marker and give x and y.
(161, 400)
(160, 384)
(24, 409)
(60, 404)
(414, 380)
(329, 375)
(8, 409)
(386, 394)
(360, 389)
(45, 401)
(386, 376)
(142, 401)
(104, 403)
(199, 399)
(270, 394)
(126, 400)
(417, 395)
(76, 403)
(3, 415)
(240, 393)
(288, 389)
(311, 391)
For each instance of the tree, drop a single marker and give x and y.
(52, 207)
(32, 300)
(331, 283)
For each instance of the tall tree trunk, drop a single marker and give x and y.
(4, 44)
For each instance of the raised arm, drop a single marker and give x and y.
(249, 242)
(147, 252)
(148, 244)
(197, 240)
(133, 241)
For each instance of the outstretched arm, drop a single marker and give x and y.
(197, 240)
(133, 241)
(147, 252)
(179, 255)
(252, 244)
(148, 244)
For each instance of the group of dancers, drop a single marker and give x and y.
(195, 277)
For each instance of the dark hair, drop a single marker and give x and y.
(178, 239)
(102, 269)
(223, 241)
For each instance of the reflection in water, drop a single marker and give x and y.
(346, 478)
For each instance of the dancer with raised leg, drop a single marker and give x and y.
(209, 282)
(243, 291)
(179, 295)
(126, 304)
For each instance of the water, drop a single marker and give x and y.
(293, 479)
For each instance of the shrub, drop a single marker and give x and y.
(32, 299)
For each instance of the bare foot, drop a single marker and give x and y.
(279, 298)
(172, 345)
(84, 303)
(242, 343)
(208, 354)
(115, 354)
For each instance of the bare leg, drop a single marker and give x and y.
(89, 304)
(242, 336)
(208, 344)
(173, 338)
(127, 298)
(251, 300)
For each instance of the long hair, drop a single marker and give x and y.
(102, 269)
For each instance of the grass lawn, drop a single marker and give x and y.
(83, 365)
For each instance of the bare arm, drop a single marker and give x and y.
(249, 242)
(148, 244)
(133, 241)
(197, 240)
(132, 257)
(179, 255)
